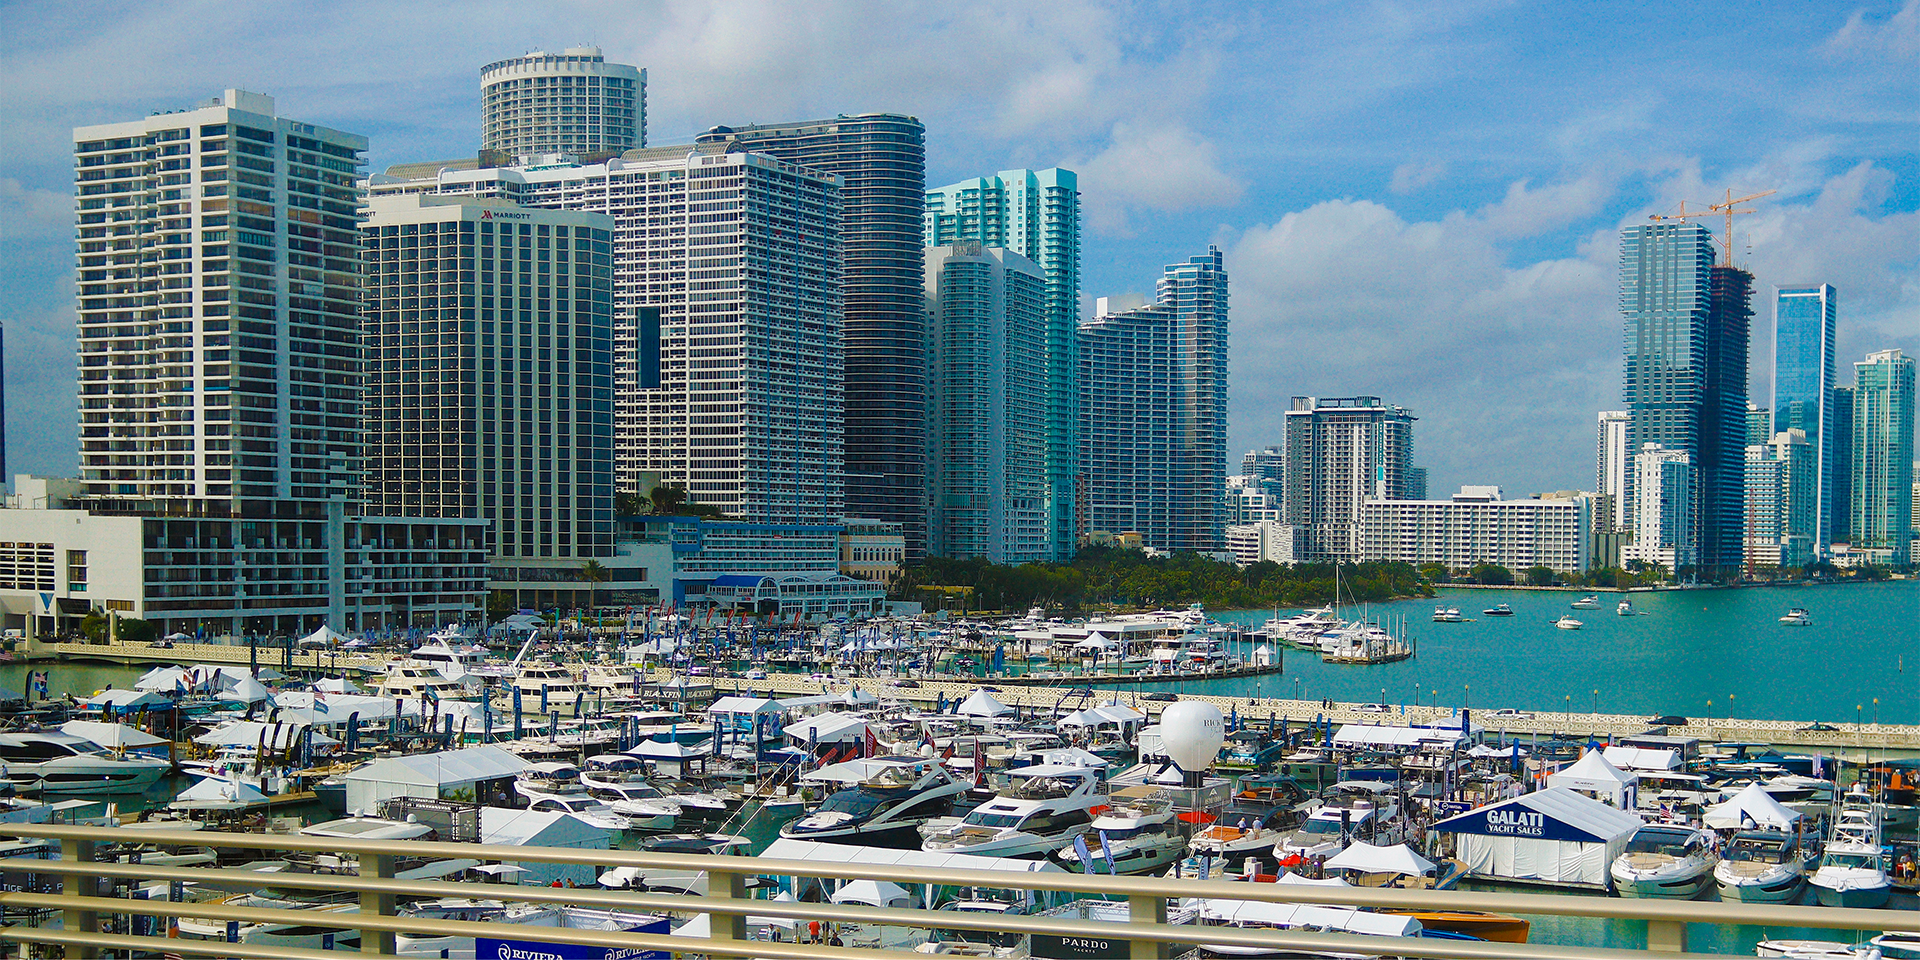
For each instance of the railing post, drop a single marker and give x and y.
(75, 885)
(1670, 935)
(1144, 909)
(726, 885)
(372, 904)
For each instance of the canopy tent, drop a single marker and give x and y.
(1754, 806)
(126, 701)
(873, 893)
(245, 690)
(113, 736)
(983, 704)
(754, 706)
(544, 828)
(670, 750)
(856, 697)
(1556, 835)
(1485, 750)
(336, 685)
(1354, 735)
(1367, 858)
(932, 862)
(324, 637)
(251, 733)
(165, 680)
(1645, 759)
(1593, 775)
(429, 775)
(1309, 881)
(301, 706)
(827, 728)
(1095, 641)
(218, 793)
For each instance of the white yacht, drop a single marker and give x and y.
(419, 680)
(1589, 602)
(1666, 861)
(611, 679)
(1135, 835)
(1762, 866)
(1850, 873)
(620, 781)
(1356, 810)
(454, 663)
(1043, 807)
(61, 763)
(1625, 608)
(1797, 617)
(1447, 615)
(1568, 623)
(557, 681)
(881, 802)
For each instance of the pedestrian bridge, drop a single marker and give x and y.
(93, 913)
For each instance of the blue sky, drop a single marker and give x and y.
(1417, 200)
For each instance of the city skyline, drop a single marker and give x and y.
(1356, 273)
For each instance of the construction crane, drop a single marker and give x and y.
(1726, 207)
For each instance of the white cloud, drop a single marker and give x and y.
(27, 212)
(1898, 37)
(1163, 167)
(1526, 212)
(1409, 177)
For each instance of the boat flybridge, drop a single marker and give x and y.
(1042, 807)
(881, 802)
(1498, 610)
(1665, 861)
(1351, 810)
(557, 682)
(1568, 623)
(60, 763)
(1447, 615)
(420, 680)
(1850, 873)
(1139, 833)
(1797, 617)
(1589, 602)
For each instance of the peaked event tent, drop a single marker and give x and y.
(983, 704)
(113, 736)
(1594, 775)
(1555, 835)
(1367, 858)
(1759, 807)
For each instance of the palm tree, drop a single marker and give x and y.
(594, 573)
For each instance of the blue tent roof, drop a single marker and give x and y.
(1553, 814)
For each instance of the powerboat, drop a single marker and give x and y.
(1135, 835)
(61, 763)
(620, 781)
(1497, 610)
(560, 689)
(1044, 806)
(1797, 617)
(1850, 872)
(1625, 608)
(1762, 866)
(1816, 950)
(1568, 623)
(881, 802)
(1666, 861)
(409, 680)
(1589, 602)
(550, 786)
(1260, 815)
(1447, 615)
(1353, 810)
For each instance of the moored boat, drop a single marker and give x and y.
(1665, 861)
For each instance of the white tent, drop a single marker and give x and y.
(336, 685)
(429, 775)
(983, 704)
(1367, 858)
(245, 690)
(1554, 836)
(856, 697)
(164, 680)
(113, 736)
(248, 733)
(1287, 916)
(827, 728)
(218, 793)
(544, 828)
(1594, 776)
(324, 637)
(1755, 806)
(126, 701)
(1094, 641)
(1643, 759)
(873, 893)
(1353, 735)
(1309, 881)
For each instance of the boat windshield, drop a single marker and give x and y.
(1323, 827)
(1758, 851)
(1660, 841)
(1856, 861)
(854, 803)
(997, 821)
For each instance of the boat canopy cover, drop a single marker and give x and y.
(1367, 858)
(218, 793)
(336, 685)
(445, 768)
(827, 728)
(814, 850)
(873, 893)
(114, 736)
(983, 704)
(1752, 805)
(1297, 915)
(1556, 813)
(1072, 757)
(671, 750)
(1362, 735)
(1643, 758)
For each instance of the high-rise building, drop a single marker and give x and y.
(1686, 326)
(1839, 427)
(1612, 464)
(1153, 410)
(1883, 457)
(572, 102)
(726, 269)
(220, 378)
(1805, 321)
(987, 406)
(501, 410)
(1267, 467)
(1416, 483)
(1037, 215)
(1663, 490)
(1341, 453)
(880, 159)
(1781, 484)
(1478, 526)
(1759, 424)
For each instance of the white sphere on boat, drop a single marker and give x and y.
(1192, 731)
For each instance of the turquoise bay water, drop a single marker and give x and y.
(1688, 647)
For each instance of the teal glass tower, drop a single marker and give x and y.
(1686, 329)
(1036, 214)
(1804, 323)
(1883, 457)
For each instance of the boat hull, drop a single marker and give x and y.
(1783, 890)
(1865, 898)
(1675, 887)
(899, 836)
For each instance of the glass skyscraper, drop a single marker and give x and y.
(1804, 323)
(1883, 457)
(1686, 333)
(1035, 213)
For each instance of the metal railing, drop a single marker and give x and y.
(82, 901)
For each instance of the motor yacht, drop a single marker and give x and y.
(561, 691)
(1850, 872)
(696, 805)
(1447, 615)
(1665, 861)
(410, 679)
(454, 663)
(1135, 835)
(1625, 608)
(1568, 623)
(1816, 950)
(1498, 610)
(611, 679)
(1589, 602)
(61, 763)
(1043, 807)
(621, 783)
(881, 802)
(1351, 810)
(1762, 866)
(1797, 617)
(1261, 814)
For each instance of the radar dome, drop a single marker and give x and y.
(1191, 732)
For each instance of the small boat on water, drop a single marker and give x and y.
(1568, 623)
(1447, 615)
(1498, 610)
(1625, 608)
(1589, 602)
(1797, 617)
